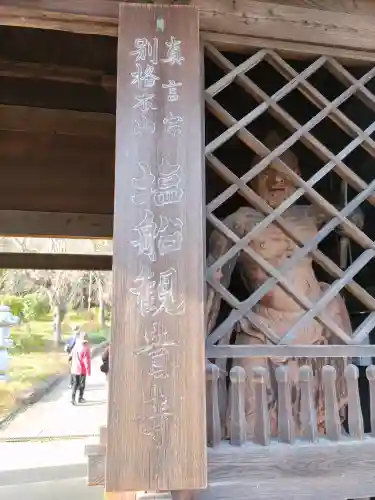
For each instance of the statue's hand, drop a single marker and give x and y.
(356, 217)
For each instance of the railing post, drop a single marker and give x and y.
(237, 406)
(262, 420)
(355, 418)
(308, 411)
(285, 420)
(212, 405)
(332, 419)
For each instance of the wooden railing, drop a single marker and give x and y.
(308, 464)
(286, 428)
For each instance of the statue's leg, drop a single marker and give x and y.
(184, 495)
(337, 312)
(251, 337)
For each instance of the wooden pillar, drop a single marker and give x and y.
(156, 423)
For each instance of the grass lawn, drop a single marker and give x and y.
(26, 369)
(34, 357)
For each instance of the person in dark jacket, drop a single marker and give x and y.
(69, 346)
(105, 362)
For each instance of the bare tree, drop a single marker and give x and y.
(63, 288)
(102, 283)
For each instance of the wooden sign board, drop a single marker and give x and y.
(157, 427)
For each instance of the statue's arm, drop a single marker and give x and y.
(218, 245)
(356, 217)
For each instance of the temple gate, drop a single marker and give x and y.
(289, 201)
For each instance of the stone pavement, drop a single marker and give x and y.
(42, 469)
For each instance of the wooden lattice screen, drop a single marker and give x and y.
(334, 217)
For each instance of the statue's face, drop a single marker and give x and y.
(273, 186)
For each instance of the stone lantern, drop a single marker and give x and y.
(6, 321)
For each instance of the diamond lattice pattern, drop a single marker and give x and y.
(274, 239)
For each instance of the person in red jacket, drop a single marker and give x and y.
(81, 367)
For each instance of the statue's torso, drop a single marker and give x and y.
(275, 247)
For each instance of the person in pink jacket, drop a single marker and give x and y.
(81, 367)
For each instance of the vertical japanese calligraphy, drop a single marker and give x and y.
(157, 236)
(158, 280)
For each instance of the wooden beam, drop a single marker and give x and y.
(54, 224)
(98, 17)
(56, 172)
(285, 22)
(63, 261)
(283, 470)
(41, 71)
(362, 7)
(156, 424)
(57, 121)
(348, 23)
(292, 50)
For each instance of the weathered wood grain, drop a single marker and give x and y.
(98, 17)
(170, 454)
(284, 22)
(362, 7)
(346, 23)
(55, 224)
(300, 471)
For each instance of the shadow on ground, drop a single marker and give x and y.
(42, 474)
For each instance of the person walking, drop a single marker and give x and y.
(69, 346)
(80, 367)
(104, 368)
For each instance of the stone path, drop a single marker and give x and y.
(38, 470)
